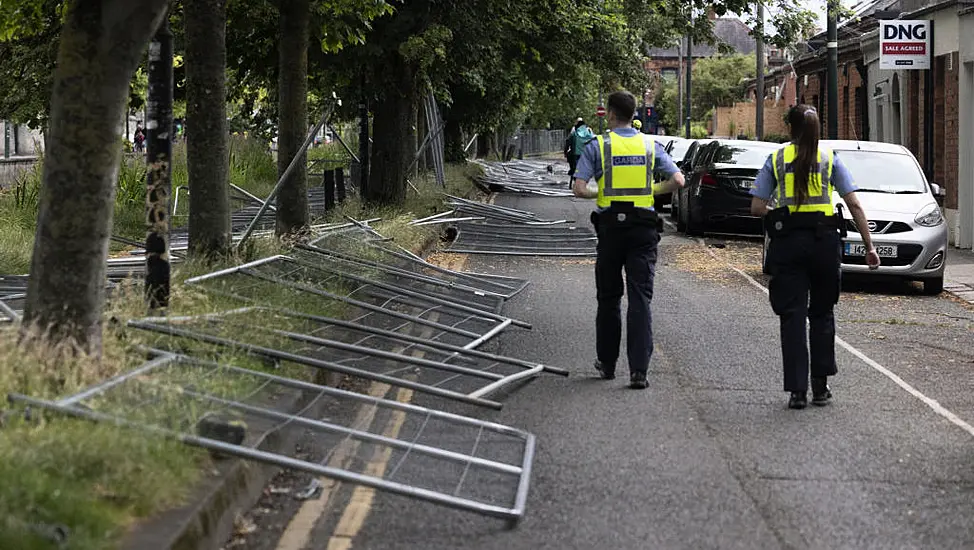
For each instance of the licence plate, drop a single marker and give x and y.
(857, 249)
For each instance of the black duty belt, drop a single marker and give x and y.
(781, 220)
(625, 214)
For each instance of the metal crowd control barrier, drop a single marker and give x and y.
(460, 373)
(438, 457)
(370, 248)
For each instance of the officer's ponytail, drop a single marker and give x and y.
(804, 124)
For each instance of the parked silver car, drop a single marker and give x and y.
(908, 227)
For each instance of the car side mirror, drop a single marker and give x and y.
(937, 190)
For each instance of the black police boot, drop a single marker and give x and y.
(638, 381)
(607, 372)
(799, 400)
(821, 394)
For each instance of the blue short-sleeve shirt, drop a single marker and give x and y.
(765, 183)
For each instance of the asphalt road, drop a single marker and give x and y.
(710, 456)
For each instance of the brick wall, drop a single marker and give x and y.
(743, 116)
(946, 95)
(850, 114)
(950, 163)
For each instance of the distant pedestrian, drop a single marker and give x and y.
(804, 254)
(623, 162)
(580, 135)
(139, 138)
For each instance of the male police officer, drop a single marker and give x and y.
(623, 162)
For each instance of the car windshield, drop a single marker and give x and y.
(875, 171)
(751, 156)
(680, 149)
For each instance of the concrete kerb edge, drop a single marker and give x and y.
(206, 522)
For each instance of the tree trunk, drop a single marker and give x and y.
(391, 126)
(483, 145)
(453, 142)
(102, 42)
(158, 185)
(292, 200)
(208, 157)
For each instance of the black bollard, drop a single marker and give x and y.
(329, 181)
(340, 184)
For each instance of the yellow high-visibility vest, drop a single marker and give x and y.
(819, 197)
(627, 170)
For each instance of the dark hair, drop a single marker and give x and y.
(623, 104)
(804, 124)
(579, 123)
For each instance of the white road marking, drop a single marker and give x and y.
(930, 402)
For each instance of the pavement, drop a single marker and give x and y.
(710, 456)
(959, 274)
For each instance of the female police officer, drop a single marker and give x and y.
(804, 254)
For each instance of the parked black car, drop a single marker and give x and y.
(717, 193)
(685, 154)
(676, 147)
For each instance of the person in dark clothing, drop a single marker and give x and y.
(623, 162)
(804, 254)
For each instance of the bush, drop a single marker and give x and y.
(777, 138)
(698, 131)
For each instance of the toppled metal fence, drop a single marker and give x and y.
(514, 232)
(412, 360)
(443, 458)
(528, 177)
(369, 248)
(13, 292)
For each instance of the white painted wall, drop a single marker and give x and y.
(964, 224)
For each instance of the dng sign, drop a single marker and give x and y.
(904, 45)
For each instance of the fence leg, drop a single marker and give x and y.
(329, 183)
(340, 184)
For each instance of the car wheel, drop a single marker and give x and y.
(933, 287)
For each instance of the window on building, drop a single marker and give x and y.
(669, 74)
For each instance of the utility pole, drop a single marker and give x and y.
(158, 188)
(679, 90)
(6, 139)
(833, 70)
(759, 85)
(689, 78)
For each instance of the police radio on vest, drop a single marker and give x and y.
(915, 31)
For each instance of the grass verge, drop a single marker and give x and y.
(96, 480)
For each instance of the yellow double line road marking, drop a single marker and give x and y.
(297, 535)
